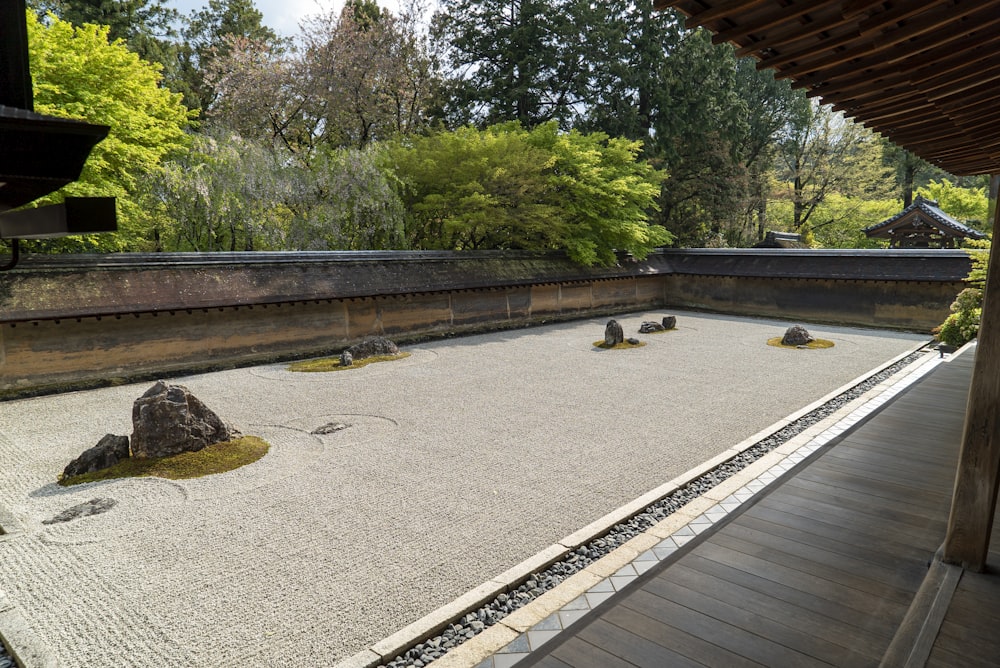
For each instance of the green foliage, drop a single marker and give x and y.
(969, 205)
(839, 221)
(523, 60)
(966, 311)
(225, 194)
(963, 324)
(823, 153)
(208, 34)
(352, 82)
(229, 193)
(78, 74)
(509, 188)
(344, 201)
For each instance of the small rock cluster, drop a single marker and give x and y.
(166, 420)
(651, 326)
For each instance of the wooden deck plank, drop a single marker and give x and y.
(736, 640)
(792, 596)
(867, 644)
(683, 643)
(821, 569)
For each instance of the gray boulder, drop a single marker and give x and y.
(168, 419)
(669, 322)
(613, 333)
(649, 327)
(371, 346)
(796, 335)
(110, 450)
(346, 358)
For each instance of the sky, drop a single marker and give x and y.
(281, 16)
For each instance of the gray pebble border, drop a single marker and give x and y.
(6, 660)
(538, 583)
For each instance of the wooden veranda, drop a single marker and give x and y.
(924, 75)
(833, 566)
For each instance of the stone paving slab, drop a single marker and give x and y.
(461, 461)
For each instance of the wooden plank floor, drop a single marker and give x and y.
(819, 571)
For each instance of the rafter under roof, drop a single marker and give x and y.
(924, 74)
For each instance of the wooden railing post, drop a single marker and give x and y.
(975, 496)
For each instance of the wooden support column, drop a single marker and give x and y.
(974, 501)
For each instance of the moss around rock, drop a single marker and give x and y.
(333, 363)
(215, 458)
(815, 344)
(624, 345)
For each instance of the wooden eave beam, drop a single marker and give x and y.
(947, 59)
(935, 28)
(796, 31)
(775, 18)
(874, 65)
(719, 11)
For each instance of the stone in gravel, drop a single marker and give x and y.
(346, 358)
(648, 327)
(613, 333)
(371, 346)
(796, 335)
(633, 342)
(669, 322)
(86, 509)
(329, 428)
(110, 450)
(168, 420)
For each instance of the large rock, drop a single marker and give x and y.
(796, 335)
(669, 322)
(371, 346)
(109, 451)
(649, 327)
(168, 419)
(613, 333)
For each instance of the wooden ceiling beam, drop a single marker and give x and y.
(879, 63)
(797, 31)
(720, 10)
(937, 28)
(774, 18)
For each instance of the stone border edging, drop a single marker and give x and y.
(431, 624)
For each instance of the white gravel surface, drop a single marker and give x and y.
(461, 461)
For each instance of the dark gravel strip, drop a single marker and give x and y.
(537, 584)
(6, 660)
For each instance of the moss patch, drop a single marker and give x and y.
(624, 345)
(216, 458)
(813, 345)
(333, 363)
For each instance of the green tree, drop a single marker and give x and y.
(78, 74)
(514, 60)
(824, 153)
(351, 83)
(205, 38)
(345, 201)
(969, 205)
(146, 26)
(506, 187)
(225, 194)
